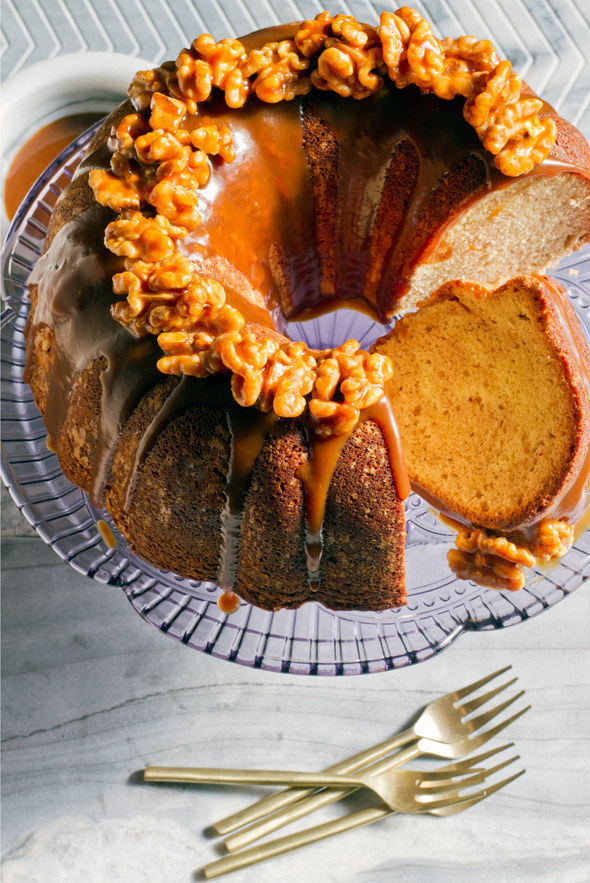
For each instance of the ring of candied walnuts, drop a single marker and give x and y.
(159, 162)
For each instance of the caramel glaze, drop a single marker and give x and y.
(383, 159)
(388, 154)
(74, 295)
(249, 430)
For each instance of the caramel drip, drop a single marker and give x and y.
(316, 475)
(106, 533)
(228, 602)
(249, 430)
(123, 386)
(174, 404)
(50, 445)
(74, 279)
(382, 414)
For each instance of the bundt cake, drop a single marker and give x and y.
(235, 190)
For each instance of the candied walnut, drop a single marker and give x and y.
(501, 86)
(522, 155)
(223, 60)
(278, 68)
(425, 56)
(133, 235)
(176, 203)
(123, 135)
(467, 62)
(553, 539)
(327, 379)
(358, 376)
(214, 140)
(312, 35)
(243, 353)
(361, 36)
(508, 125)
(486, 570)
(237, 88)
(289, 365)
(359, 392)
(157, 147)
(221, 57)
(294, 384)
(143, 86)
(184, 355)
(478, 539)
(332, 418)
(190, 169)
(118, 194)
(348, 70)
(167, 112)
(394, 33)
(410, 50)
(194, 79)
(142, 278)
(207, 64)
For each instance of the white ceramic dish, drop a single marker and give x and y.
(89, 82)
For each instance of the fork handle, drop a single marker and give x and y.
(310, 804)
(248, 857)
(221, 776)
(285, 798)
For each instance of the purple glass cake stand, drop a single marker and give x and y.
(311, 640)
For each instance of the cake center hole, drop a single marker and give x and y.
(334, 329)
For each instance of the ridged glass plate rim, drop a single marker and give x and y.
(310, 640)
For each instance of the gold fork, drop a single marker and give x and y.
(384, 782)
(441, 717)
(444, 803)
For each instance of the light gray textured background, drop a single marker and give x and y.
(91, 693)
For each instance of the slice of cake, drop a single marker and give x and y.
(491, 391)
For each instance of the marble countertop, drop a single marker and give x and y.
(91, 693)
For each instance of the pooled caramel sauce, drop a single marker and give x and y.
(35, 155)
(263, 214)
(106, 533)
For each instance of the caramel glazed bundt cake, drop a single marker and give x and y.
(235, 190)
